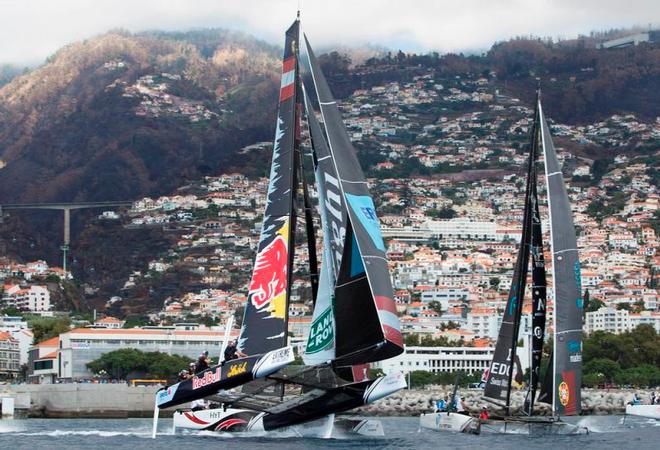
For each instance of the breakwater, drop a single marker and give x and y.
(120, 400)
(410, 402)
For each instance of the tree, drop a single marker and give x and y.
(120, 363)
(602, 366)
(436, 307)
(45, 328)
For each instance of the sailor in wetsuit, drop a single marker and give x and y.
(232, 352)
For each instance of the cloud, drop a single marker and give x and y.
(30, 30)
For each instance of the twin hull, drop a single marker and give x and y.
(311, 413)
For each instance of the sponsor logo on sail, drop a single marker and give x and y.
(564, 393)
(579, 302)
(321, 333)
(206, 379)
(237, 369)
(269, 278)
(363, 206)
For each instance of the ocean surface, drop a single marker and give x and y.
(400, 433)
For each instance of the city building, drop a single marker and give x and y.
(9, 356)
(80, 346)
(439, 359)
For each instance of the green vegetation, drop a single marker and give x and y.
(48, 327)
(631, 358)
(119, 364)
(420, 378)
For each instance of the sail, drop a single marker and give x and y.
(567, 352)
(366, 321)
(538, 295)
(498, 384)
(321, 340)
(266, 312)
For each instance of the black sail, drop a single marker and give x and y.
(538, 297)
(266, 312)
(568, 306)
(366, 320)
(498, 383)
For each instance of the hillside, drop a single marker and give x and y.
(122, 116)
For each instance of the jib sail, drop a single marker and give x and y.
(321, 341)
(266, 312)
(366, 321)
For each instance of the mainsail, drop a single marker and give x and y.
(567, 351)
(363, 293)
(266, 312)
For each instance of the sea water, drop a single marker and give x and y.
(401, 433)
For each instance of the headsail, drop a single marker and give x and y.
(265, 321)
(567, 352)
(321, 341)
(498, 384)
(364, 298)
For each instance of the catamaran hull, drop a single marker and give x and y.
(363, 427)
(224, 376)
(216, 419)
(452, 422)
(531, 428)
(232, 420)
(648, 411)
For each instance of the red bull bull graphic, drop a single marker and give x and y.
(269, 279)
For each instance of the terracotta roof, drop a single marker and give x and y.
(52, 342)
(51, 355)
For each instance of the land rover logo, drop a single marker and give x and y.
(564, 393)
(321, 333)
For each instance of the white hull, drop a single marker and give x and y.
(532, 427)
(648, 411)
(248, 422)
(453, 422)
(361, 427)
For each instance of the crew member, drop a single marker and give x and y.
(483, 415)
(440, 405)
(232, 352)
(183, 375)
(203, 362)
(192, 369)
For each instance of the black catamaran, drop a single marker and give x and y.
(561, 387)
(354, 320)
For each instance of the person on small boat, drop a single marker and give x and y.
(191, 369)
(232, 352)
(483, 415)
(460, 406)
(183, 375)
(654, 398)
(635, 400)
(440, 405)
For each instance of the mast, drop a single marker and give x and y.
(311, 236)
(568, 306)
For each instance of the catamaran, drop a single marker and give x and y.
(354, 321)
(562, 384)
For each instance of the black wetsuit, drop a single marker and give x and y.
(230, 353)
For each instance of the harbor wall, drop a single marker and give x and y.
(86, 400)
(120, 400)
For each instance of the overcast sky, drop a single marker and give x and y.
(30, 30)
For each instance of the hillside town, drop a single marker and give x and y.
(448, 193)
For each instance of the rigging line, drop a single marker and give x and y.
(354, 182)
(351, 282)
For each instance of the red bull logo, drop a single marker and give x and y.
(206, 379)
(269, 279)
